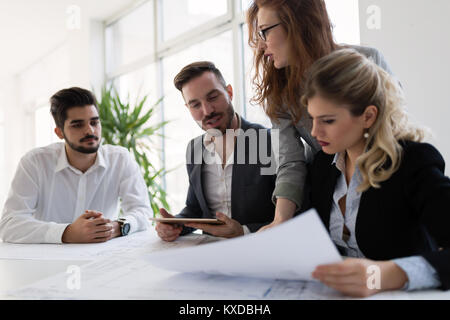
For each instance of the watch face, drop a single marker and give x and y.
(125, 229)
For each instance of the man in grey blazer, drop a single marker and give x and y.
(231, 168)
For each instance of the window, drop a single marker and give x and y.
(37, 84)
(44, 126)
(132, 87)
(180, 16)
(188, 31)
(131, 38)
(245, 4)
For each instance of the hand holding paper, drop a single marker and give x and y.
(289, 251)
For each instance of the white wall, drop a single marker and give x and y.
(415, 39)
(13, 134)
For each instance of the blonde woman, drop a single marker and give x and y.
(288, 36)
(379, 190)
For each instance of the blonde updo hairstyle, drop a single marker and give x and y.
(351, 80)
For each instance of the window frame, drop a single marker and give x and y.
(232, 20)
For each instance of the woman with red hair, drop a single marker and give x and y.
(288, 36)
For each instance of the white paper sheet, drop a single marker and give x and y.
(290, 251)
(127, 278)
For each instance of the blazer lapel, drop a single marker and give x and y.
(238, 171)
(325, 190)
(195, 176)
(235, 181)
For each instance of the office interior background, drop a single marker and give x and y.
(48, 45)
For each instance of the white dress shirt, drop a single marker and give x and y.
(47, 193)
(217, 179)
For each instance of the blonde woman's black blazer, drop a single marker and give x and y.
(408, 215)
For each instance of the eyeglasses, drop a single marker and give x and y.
(262, 33)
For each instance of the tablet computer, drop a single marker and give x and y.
(187, 220)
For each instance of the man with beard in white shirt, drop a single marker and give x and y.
(69, 192)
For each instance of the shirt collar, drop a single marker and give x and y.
(101, 161)
(63, 162)
(339, 161)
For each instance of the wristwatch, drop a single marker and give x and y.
(124, 226)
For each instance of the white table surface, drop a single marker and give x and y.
(17, 273)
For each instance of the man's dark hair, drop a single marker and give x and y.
(195, 70)
(65, 99)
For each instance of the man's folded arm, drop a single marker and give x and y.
(17, 224)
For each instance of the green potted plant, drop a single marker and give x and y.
(127, 126)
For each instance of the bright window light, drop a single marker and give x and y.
(44, 126)
(344, 15)
(180, 16)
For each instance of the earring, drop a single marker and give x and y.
(366, 135)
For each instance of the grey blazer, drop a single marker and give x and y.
(251, 191)
(296, 147)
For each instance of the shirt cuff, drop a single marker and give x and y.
(288, 191)
(55, 232)
(421, 275)
(246, 230)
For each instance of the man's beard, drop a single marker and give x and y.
(82, 149)
(229, 112)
